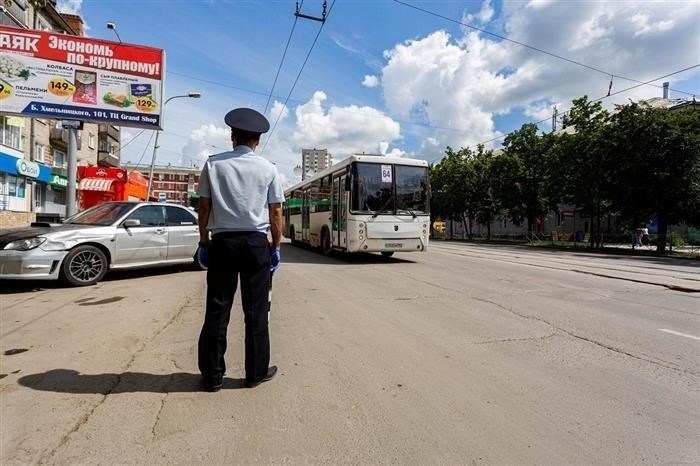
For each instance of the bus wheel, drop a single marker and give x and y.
(291, 235)
(326, 248)
(387, 253)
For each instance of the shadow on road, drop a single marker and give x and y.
(70, 381)
(308, 255)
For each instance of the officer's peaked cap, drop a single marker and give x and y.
(247, 119)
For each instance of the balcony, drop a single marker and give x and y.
(106, 159)
(109, 131)
(59, 138)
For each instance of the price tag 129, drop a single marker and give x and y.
(61, 87)
(146, 104)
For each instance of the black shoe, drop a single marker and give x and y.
(270, 374)
(210, 385)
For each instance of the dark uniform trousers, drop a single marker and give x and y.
(234, 254)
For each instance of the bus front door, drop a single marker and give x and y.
(305, 217)
(339, 213)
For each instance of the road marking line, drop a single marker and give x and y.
(679, 334)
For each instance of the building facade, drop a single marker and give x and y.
(314, 160)
(34, 151)
(171, 184)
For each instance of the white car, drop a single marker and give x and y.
(113, 235)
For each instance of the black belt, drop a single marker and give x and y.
(236, 234)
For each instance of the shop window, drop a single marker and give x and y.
(15, 186)
(38, 152)
(59, 159)
(11, 132)
(59, 196)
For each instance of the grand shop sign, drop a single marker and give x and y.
(50, 75)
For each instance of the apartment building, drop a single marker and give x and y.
(314, 160)
(33, 151)
(171, 184)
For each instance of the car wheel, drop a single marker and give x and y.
(387, 253)
(326, 247)
(84, 265)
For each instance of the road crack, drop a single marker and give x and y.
(86, 417)
(614, 349)
(510, 340)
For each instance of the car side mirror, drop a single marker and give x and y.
(131, 223)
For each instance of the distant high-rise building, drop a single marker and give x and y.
(314, 160)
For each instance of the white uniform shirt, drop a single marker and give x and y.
(241, 185)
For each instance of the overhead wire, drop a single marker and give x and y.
(531, 47)
(640, 84)
(284, 54)
(267, 140)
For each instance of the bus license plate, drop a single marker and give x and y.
(393, 245)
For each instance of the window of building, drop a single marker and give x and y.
(38, 152)
(59, 159)
(91, 141)
(11, 132)
(59, 196)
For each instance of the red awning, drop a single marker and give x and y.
(96, 184)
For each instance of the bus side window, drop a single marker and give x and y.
(347, 183)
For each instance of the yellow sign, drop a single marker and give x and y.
(146, 104)
(5, 90)
(60, 87)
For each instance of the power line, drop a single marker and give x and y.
(531, 47)
(597, 100)
(284, 54)
(267, 140)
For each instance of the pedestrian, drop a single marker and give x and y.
(241, 198)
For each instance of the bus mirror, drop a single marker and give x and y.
(347, 183)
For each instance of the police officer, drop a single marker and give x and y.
(240, 198)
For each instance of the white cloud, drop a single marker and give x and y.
(370, 81)
(72, 7)
(485, 14)
(204, 141)
(344, 130)
(458, 85)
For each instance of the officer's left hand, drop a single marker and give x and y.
(275, 260)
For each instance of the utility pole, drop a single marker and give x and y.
(555, 114)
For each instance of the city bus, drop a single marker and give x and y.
(365, 203)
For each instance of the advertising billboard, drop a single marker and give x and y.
(59, 76)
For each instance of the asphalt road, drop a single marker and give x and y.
(463, 355)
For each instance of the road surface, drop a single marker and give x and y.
(466, 354)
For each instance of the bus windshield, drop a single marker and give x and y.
(389, 189)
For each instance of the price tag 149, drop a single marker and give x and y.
(61, 87)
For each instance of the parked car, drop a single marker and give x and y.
(113, 235)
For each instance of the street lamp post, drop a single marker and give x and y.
(191, 95)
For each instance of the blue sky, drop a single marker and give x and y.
(384, 77)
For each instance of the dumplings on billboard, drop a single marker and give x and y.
(13, 69)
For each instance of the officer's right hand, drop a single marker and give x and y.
(203, 255)
(275, 260)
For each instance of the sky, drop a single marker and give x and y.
(396, 77)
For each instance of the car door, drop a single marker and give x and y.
(145, 243)
(183, 233)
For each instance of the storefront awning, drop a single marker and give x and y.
(96, 184)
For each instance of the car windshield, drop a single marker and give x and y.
(103, 214)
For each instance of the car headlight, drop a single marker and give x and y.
(24, 244)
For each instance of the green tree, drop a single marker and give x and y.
(583, 159)
(521, 174)
(448, 181)
(655, 166)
